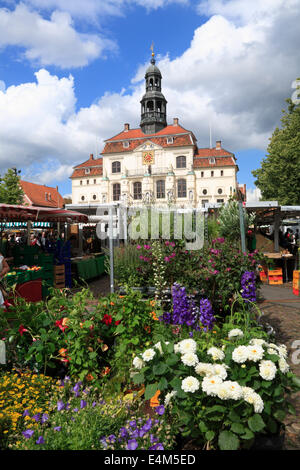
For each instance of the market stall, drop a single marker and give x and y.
(36, 268)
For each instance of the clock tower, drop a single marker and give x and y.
(153, 103)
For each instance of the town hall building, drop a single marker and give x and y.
(157, 163)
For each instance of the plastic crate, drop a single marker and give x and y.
(296, 291)
(275, 280)
(275, 272)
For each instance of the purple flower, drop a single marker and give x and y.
(40, 440)
(159, 446)
(26, 413)
(132, 444)
(160, 409)
(36, 417)
(112, 438)
(44, 418)
(153, 438)
(123, 432)
(28, 433)
(206, 314)
(60, 405)
(57, 428)
(132, 423)
(76, 410)
(94, 404)
(248, 286)
(83, 404)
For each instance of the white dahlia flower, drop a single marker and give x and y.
(187, 345)
(235, 333)
(234, 390)
(220, 370)
(190, 384)
(255, 352)
(257, 341)
(216, 353)
(204, 368)
(211, 384)
(138, 363)
(250, 396)
(283, 365)
(240, 354)
(148, 355)
(267, 370)
(189, 359)
(282, 351)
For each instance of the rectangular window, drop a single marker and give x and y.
(204, 201)
(211, 173)
(137, 190)
(220, 200)
(202, 174)
(160, 189)
(181, 188)
(222, 172)
(116, 192)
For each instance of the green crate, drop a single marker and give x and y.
(45, 260)
(36, 275)
(82, 269)
(100, 264)
(93, 268)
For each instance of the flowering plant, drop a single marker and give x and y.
(223, 395)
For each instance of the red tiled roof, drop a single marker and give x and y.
(139, 134)
(219, 161)
(212, 152)
(95, 166)
(79, 172)
(178, 141)
(41, 195)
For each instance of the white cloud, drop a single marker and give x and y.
(236, 74)
(49, 42)
(2, 85)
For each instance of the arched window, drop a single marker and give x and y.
(115, 167)
(181, 162)
(116, 191)
(181, 188)
(82, 198)
(137, 190)
(160, 189)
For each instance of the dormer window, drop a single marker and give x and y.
(212, 160)
(170, 140)
(126, 144)
(87, 171)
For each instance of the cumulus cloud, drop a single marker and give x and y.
(235, 75)
(50, 42)
(253, 194)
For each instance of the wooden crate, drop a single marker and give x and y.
(60, 269)
(275, 272)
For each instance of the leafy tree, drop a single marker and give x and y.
(279, 175)
(10, 188)
(229, 220)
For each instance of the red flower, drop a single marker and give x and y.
(117, 322)
(22, 330)
(61, 324)
(107, 319)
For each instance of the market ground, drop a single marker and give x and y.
(281, 310)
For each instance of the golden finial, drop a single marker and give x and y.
(152, 47)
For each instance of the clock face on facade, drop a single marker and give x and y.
(148, 158)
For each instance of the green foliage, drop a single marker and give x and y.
(229, 221)
(10, 189)
(278, 178)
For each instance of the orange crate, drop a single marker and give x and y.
(273, 280)
(275, 272)
(263, 277)
(296, 275)
(296, 291)
(296, 283)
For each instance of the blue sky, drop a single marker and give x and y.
(72, 75)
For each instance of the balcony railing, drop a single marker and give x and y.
(153, 171)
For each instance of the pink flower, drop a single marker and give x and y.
(167, 243)
(167, 259)
(141, 257)
(228, 269)
(147, 247)
(138, 247)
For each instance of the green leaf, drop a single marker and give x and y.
(296, 381)
(172, 359)
(163, 384)
(279, 415)
(138, 378)
(248, 434)
(209, 435)
(228, 441)
(234, 417)
(160, 368)
(216, 409)
(238, 428)
(150, 391)
(256, 423)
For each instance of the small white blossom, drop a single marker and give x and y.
(169, 396)
(282, 351)
(267, 370)
(283, 365)
(190, 384)
(148, 355)
(255, 352)
(187, 345)
(250, 396)
(204, 368)
(211, 384)
(240, 354)
(220, 370)
(216, 353)
(189, 359)
(235, 333)
(257, 341)
(138, 363)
